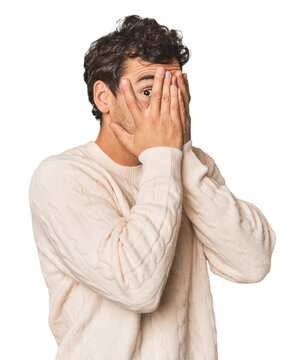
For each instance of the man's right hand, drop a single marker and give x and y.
(160, 124)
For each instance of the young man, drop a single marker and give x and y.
(125, 224)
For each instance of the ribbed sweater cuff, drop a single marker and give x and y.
(161, 161)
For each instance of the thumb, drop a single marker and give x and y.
(122, 135)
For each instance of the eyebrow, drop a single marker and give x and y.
(146, 77)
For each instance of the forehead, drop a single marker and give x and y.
(136, 67)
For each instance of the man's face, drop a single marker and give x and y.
(140, 74)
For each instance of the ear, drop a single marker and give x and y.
(100, 96)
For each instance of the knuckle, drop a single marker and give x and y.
(173, 126)
(163, 122)
(166, 98)
(174, 105)
(156, 96)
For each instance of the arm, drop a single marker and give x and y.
(237, 239)
(125, 259)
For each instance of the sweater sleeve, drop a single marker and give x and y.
(237, 239)
(125, 259)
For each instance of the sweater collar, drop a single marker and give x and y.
(130, 173)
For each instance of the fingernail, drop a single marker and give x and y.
(124, 81)
(167, 74)
(161, 71)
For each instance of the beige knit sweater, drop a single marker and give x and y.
(124, 251)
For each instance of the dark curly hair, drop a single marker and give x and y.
(134, 37)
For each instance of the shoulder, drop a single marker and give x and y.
(75, 159)
(56, 166)
(67, 172)
(53, 179)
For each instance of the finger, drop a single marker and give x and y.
(174, 79)
(181, 109)
(182, 86)
(122, 135)
(174, 104)
(156, 92)
(131, 101)
(187, 84)
(166, 96)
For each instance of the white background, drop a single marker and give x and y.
(247, 76)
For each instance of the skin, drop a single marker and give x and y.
(115, 110)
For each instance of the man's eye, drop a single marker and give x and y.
(146, 91)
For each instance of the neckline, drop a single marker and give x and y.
(130, 173)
